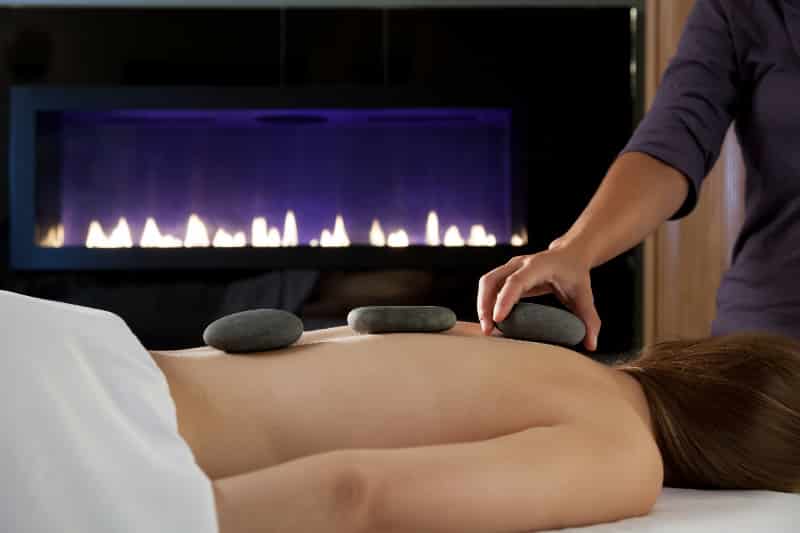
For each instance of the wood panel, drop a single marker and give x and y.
(685, 260)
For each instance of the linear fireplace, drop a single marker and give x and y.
(577, 65)
(187, 177)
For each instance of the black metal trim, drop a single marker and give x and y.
(28, 99)
(350, 258)
(302, 4)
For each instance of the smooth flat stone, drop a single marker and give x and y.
(401, 319)
(543, 323)
(257, 330)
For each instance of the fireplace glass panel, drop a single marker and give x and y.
(276, 178)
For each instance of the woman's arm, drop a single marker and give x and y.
(540, 478)
(679, 138)
(637, 195)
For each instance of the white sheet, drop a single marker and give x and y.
(691, 511)
(88, 432)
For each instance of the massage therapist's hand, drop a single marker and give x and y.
(560, 270)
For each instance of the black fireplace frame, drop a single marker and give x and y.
(27, 101)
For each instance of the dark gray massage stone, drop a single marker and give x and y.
(543, 323)
(257, 330)
(401, 319)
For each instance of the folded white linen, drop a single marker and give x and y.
(89, 432)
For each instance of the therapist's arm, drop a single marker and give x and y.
(637, 195)
(658, 177)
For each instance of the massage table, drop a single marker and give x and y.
(692, 511)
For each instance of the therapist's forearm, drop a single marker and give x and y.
(637, 195)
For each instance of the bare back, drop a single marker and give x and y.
(337, 390)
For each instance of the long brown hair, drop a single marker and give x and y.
(725, 410)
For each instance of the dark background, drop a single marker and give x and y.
(571, 65)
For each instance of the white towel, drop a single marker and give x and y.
(89, 437)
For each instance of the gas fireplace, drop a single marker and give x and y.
(138, 178)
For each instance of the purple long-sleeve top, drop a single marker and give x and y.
(739, 60)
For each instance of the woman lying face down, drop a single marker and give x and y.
(463, 433)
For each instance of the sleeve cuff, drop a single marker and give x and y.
(693, 173)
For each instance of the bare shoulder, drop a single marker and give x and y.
(608, 437)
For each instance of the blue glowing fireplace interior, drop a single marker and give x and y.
(276, 178)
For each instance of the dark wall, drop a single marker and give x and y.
(571, 65)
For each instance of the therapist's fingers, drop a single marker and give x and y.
(587, 311)
(530, 278)
(580, 300)
(488, 287)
